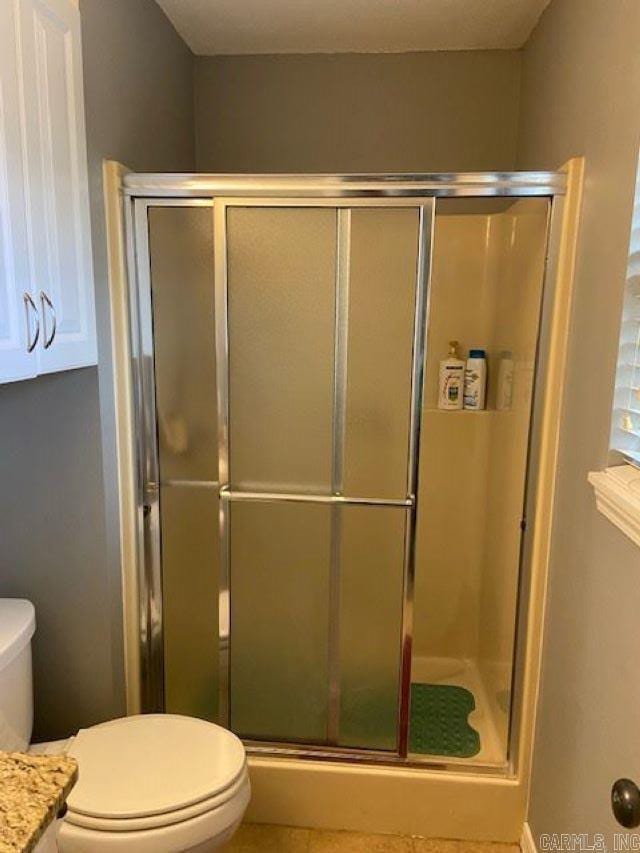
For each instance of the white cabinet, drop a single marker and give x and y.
(47, 280)
(18, 320)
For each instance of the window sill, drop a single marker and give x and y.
(618, 497)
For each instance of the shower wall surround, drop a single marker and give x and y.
(486, 289)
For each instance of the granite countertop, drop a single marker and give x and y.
(33, 789)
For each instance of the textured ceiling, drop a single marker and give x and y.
(364, 26)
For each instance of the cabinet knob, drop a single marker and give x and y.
(625, 802)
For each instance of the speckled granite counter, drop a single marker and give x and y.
(33, 789)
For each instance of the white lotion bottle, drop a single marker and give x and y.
(475, 380)
(451, 385)
(504, 399)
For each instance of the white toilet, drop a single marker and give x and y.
(157, 783)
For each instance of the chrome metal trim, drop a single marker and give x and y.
(139, 439)
(234, 495)
(343, 261)
(423, 294)
(417, 185)
(193, 484)
(222, 337)
(320, 203)
(222, 380)
(177, 201)
(224, 613)
(29, 303)
(362, 758)
(341, 334)
(422, 301)
(45, 301)
(151, 490)
(536, 426)
(152, 658)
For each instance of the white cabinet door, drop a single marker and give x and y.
(56, 181)
(18, 320)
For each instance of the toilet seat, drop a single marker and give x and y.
(201, 834)
(135, 824)
(154, 782)
(153, 764)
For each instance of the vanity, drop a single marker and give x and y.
(33, 791)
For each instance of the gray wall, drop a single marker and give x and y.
(581, 95)
(357, 112)
(53, 543)
(59, 535)
(138, 78)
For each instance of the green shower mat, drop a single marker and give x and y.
(439, 723)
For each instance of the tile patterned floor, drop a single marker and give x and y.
(252, 838)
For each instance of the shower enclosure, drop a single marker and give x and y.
(330, 565)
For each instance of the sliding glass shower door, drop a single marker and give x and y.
(321, 318)
(286, 369)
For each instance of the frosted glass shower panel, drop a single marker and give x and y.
(370, 624)
(181, 252)
(382, 287)
(281, 302)
(280, 559)
(190, 567)
(182, 296)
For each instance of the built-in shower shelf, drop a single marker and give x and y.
(467, 412)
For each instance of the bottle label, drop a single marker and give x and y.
(453, 390)
(451, 386)
(472, 382)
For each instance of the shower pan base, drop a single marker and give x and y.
(465, 674)
(439, 722)
(385, 799)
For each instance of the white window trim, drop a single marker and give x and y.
(625, 423)
(618, 497)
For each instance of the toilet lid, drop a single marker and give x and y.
(152, 764)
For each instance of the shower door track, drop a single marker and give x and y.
(342, 192)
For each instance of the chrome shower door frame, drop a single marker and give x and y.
(343, 193)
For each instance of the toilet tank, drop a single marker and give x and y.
(17, 624)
